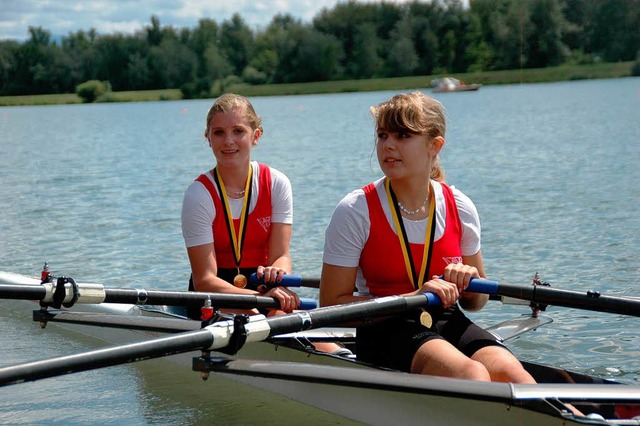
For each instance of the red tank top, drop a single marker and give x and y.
(382, 262)
(258, 226)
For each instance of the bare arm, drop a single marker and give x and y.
(205, 269)
(337, 284)
(279, 263)
(279, 256)
(474, 301)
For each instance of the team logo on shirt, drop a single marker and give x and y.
(450, 260)
(265, 222)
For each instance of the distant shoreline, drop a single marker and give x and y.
(539, 75)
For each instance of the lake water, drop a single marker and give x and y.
(96, 191)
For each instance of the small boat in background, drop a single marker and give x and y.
(450, 84)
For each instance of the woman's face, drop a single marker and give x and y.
(404, 154)
(231, 138)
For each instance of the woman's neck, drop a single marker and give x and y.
(412, 196)
(234, 178)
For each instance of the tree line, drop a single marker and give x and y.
(352, 40)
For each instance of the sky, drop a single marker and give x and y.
(62, 17)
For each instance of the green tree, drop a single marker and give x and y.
(138, 73)
(505, 27)
(344, 23)
(317, 57)
(80, 50)
(545, 47)
(154, 32)
(172, 64)
(114, 53)
(216, 65)
(204, 35)
(615, 35)
(7, 61)
(236, 40)
(365, 59)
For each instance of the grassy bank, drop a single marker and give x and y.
(540, 75)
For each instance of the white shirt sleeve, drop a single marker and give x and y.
(347, 231)
(197, 215)
(470, 220)
(281, 198)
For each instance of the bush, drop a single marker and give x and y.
(198, 89)
(253, 76)
(221, 85)
(91, 90)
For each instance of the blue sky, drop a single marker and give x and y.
(61, 17)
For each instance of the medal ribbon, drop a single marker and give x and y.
(237, 241)
(416, 280)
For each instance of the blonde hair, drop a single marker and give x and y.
(231, 102)
(415, 113)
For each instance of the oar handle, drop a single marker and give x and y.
(288, 280)
(481, 285)
(476, 285)
(307, 303)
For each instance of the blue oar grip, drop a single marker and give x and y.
(307, 303)
(432, 299)
(288, 280)
(476, 285)
(480, 285)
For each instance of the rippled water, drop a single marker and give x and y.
(96, 191)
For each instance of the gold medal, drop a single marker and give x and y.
(425, 319)
(240, 281)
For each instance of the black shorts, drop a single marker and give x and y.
(227, 274)
(393, 343)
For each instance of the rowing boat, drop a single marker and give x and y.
(288, 364)
(450, 84)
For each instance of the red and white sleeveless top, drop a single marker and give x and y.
(258, 226)
(382, 262)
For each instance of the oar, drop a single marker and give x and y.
(259, 328)
(589, 300)
(289, 280)
(215, 336)
(69, 293)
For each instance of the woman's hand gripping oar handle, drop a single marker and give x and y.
(476, 285)
(288, 280)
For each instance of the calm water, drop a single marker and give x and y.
(96, 191)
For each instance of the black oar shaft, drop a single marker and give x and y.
(105, 357)
(22, 292)
(339, 314)
(183, 298)
(591, 300)
(212, 337)
(95, 293)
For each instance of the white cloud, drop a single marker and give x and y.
(61, 17)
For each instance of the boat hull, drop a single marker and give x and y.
(465, 88)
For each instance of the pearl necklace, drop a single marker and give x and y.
(237, 192)
(412, 212)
